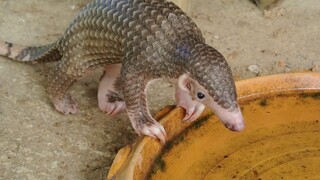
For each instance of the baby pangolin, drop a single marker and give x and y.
(137, 42)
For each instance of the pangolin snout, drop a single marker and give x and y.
(233, 120)
(235, 127)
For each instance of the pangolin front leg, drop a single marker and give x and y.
(110, 101)
(134, 87)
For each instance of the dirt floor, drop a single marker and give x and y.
(36, 142)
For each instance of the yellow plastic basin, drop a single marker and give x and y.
(281, 139)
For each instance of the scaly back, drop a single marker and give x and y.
(123, 28)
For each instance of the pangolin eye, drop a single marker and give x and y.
(200, 95)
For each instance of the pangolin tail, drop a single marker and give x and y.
(46, 53)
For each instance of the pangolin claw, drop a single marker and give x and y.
(112, 108)
(66, 105)
(155, 131)
(193, 111)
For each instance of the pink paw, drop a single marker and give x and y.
(112, 108)
(193, 110)
(66, 106)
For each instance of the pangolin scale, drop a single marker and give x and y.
(149, 39)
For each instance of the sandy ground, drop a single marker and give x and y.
(36, 142)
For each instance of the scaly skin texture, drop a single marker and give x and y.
(150, 39)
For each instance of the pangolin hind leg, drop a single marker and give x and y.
(110, 101)
(64, 74)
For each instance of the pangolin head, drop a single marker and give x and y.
(212, 77)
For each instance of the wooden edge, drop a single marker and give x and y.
(278, 84)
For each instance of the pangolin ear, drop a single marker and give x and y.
(185, 83)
